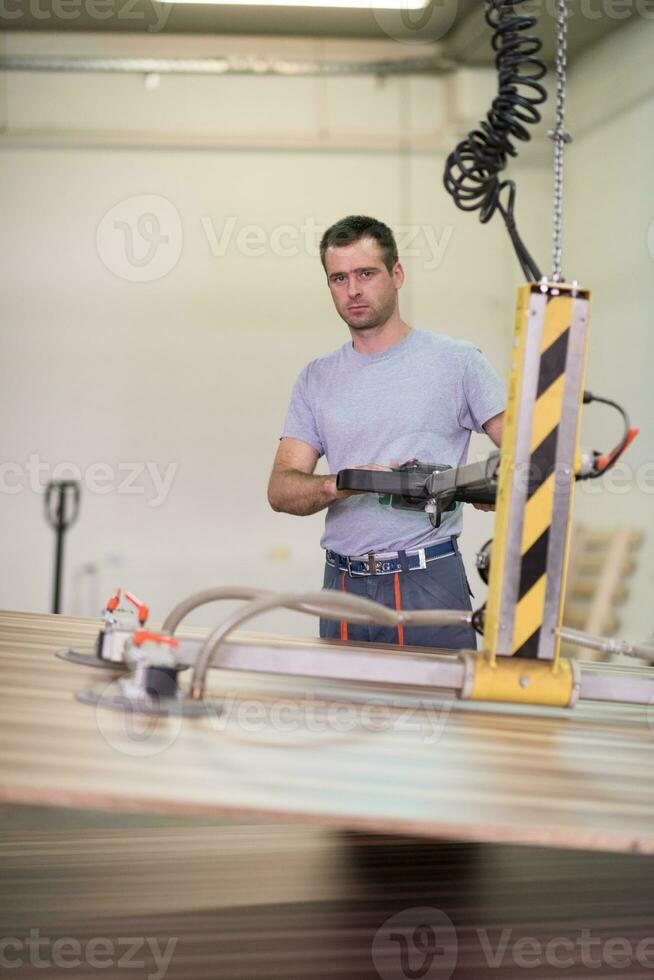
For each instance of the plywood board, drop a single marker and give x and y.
(316, 751)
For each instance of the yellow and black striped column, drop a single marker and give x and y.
(530, 545)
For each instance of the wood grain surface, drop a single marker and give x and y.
(339, 755)
(288, 902)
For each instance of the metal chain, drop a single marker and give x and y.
(559, 134)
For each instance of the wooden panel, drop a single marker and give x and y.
(300, 749)
(248, 903)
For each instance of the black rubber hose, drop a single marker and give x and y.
(472, 170)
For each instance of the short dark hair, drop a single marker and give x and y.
(352, 229)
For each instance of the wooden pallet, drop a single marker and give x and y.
(601, 562)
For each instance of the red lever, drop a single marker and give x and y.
(604, 462)
(141, 609)
(142, 635)
(113, 602)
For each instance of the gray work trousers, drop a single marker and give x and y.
(441, 585)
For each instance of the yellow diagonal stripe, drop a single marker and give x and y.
(547, 412)
(507, 474)
(558, 317)
(529, 613)
(538, 514)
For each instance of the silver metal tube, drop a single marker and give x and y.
(333, 605)
(228, 65)
(186, 606)
(322, 607)
(607, 644)
(618, 685)
(264, 604)
(431, 671)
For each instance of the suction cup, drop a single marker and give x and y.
(90, 660)
(160, 707)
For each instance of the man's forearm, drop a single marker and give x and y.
(294, 492)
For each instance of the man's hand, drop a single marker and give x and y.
(293, 488)
(366, 466)
(484, 506)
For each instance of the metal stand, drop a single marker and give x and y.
(61, 511)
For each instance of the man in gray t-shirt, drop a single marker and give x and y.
(391, 394)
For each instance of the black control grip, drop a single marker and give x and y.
(372, 481)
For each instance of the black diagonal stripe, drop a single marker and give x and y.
(529, 649)
(541, 461)
(534, 563)
(552, 362)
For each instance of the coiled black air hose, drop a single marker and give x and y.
(472, 169)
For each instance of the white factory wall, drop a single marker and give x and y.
(191, 372)
(609, 247)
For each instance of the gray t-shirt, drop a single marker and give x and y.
(420, 398)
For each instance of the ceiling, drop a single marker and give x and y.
(458, 24)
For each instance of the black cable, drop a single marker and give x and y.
(472, 169)
(478, 619)
(619, 449)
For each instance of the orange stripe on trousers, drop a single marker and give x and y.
(398, 607)
(343, 623)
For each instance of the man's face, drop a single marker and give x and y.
(363, 290)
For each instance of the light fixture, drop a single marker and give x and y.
(370, 4)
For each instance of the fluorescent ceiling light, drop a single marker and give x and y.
(370, 4)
